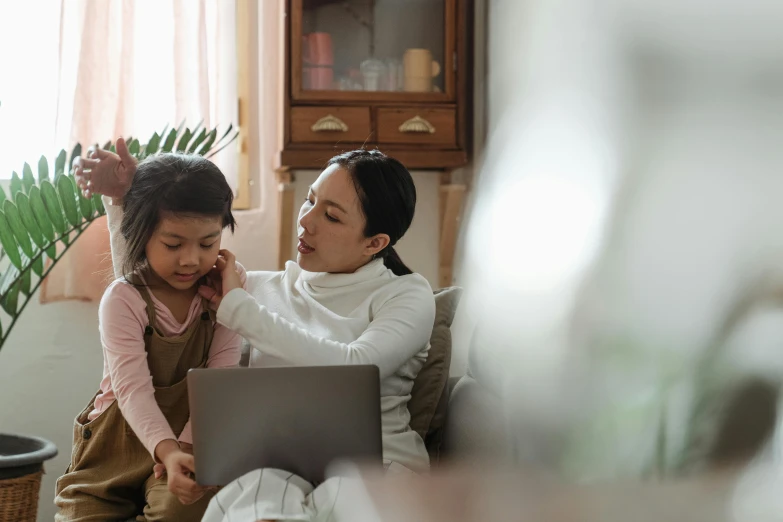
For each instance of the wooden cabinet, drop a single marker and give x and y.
(391, 74)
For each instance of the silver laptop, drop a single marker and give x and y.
(297, 419)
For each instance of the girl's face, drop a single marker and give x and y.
(184, 248)
(331, 226)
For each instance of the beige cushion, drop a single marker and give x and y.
(431, 383)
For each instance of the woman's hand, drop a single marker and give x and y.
(104, 172)
(223, 278)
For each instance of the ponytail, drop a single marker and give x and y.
(392, 261)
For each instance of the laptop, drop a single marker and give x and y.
(297, 419)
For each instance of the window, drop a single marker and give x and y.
(28, 83)
(82, 71)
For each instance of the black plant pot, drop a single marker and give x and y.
(21, 468)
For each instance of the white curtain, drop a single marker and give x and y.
(89, 71)
(130, 67)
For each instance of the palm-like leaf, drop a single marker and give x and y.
(41, 218)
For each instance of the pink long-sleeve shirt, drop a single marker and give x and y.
(126, 375)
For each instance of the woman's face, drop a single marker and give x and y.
(331, 226)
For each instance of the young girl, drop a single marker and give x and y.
(154, 327)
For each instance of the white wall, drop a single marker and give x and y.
(485, 52)
(49, 369)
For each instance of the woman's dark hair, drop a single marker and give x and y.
(181, 184)
(387, 195)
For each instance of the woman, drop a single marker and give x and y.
(348, 299)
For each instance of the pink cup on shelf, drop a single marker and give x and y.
(320, 48)
(321, 78)
(317, 61)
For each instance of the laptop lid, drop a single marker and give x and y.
(297, 419)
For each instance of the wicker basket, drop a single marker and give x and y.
(19, 498)
(21, 468)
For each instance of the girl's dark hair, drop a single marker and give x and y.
(387, 195)
(181, 184)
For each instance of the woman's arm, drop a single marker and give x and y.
(116, 241)
(398, 331)
(109, 174)
(224, 352)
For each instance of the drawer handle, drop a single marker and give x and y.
(417, 125)
(329, 123)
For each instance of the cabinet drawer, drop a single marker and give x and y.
(330, 124)
(417, 126)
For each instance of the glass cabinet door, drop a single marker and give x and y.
(372, 49)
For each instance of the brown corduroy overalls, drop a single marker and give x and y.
(110, 475)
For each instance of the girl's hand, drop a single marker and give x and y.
(224, 278)
(180, 467)
(160, 469)
(104, 172)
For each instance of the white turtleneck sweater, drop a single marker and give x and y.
(368, 317)
(314, 319)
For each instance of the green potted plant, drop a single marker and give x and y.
(41, 217)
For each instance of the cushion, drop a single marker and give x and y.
(435, 436)
(430, 384)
